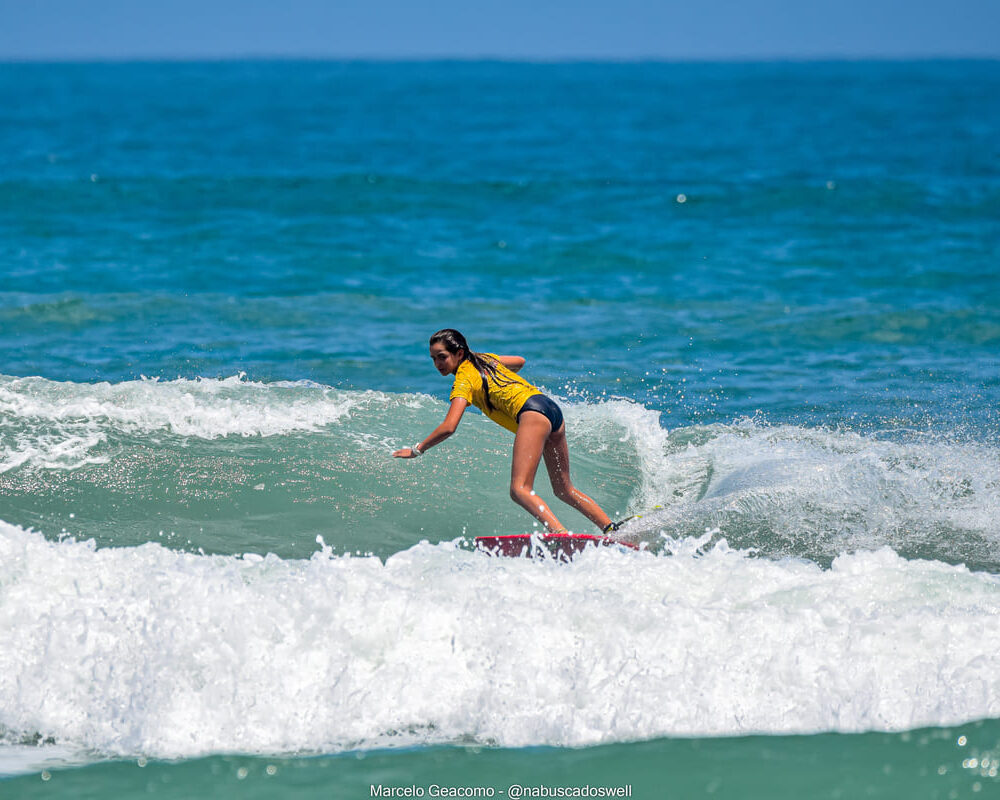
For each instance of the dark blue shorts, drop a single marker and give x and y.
(543, 405)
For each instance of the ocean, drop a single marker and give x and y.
(766, 296)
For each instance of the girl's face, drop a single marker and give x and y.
(445, 362)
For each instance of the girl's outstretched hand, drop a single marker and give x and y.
(406, 452)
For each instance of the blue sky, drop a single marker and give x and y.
(534, 29)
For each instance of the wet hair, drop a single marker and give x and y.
(485, 365)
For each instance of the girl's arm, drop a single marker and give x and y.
(513, 363)
(441, 432)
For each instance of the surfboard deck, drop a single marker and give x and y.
(560, 545)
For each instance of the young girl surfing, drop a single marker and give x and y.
(489, 382)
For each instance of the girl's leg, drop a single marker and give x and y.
(532, 431)
(556, 453)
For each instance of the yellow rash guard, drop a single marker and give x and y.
(506, 395)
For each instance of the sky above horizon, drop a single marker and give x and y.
(517, 29)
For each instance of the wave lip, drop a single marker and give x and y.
(149, 651)
(786, 490)
(64, 425)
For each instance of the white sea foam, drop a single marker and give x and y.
(621, 424)
(803, 490)
(145, 650)
(825, 491)
(26, 758)
(54, 424)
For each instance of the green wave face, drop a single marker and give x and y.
(234, 466)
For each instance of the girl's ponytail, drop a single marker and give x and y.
(486, 366)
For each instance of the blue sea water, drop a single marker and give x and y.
(766, 295)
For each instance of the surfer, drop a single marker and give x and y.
(490, 383)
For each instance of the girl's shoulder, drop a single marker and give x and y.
(466, 372)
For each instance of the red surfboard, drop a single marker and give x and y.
(560, 545)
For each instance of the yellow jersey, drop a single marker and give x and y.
(507, 397)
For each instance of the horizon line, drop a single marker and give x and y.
(488, 58)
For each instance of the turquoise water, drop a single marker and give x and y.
(921, 763)
(765, 295)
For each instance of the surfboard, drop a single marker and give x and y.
(559, 545)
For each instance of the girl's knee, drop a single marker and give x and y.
(564, 491)
(519, 493)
